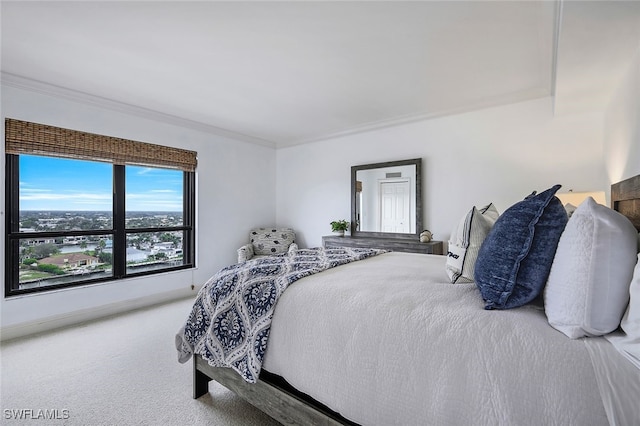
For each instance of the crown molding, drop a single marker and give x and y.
(24, 83)
(19, 82)
(512, 98)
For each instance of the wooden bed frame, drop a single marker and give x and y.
(278, 399)
(625, 198)
(269, 394)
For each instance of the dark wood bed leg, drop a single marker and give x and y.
(200, 380)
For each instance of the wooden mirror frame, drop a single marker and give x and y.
(418, 182)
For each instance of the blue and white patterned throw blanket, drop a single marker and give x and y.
(231, 317)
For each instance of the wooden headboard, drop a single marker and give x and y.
(625, 198)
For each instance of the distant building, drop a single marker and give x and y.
(108, 245)
(74, 240)
(38, 241)
(167, 248)
(70, 260)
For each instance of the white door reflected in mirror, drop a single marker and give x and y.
(386, 199)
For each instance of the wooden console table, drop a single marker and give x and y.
(393, 244)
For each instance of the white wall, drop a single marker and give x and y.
(622, 126)
(494, 155)
(235, 192)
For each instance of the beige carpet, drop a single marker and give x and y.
(117, 371)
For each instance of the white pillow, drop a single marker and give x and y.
(588, 286)
(465, 241)
(629, 343)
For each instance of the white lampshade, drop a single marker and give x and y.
(576, 198)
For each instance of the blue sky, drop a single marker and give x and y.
(62, 184)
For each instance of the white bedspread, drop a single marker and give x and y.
(400, 345)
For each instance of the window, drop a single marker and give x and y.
(79, 211)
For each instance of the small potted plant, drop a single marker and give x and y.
(339, 226)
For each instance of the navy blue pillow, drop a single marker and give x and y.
(515, 259)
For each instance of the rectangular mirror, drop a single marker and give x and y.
(386, 199)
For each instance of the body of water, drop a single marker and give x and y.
(75, 248)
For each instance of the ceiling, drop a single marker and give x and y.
(286, 73)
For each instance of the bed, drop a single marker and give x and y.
(388, 339)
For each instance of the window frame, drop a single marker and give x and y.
(118, 230)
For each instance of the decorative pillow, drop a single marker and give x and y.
(570, 208)
(514, 260)
(466, 239)
(245, 253)
(629, 343)
(293, 249)
(271, 241)
(588, 287)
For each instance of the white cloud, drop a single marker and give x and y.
(44, 195)
(33, 190)
(145, 170)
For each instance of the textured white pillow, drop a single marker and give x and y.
(629, 343)
(465, 241)
(588, 286)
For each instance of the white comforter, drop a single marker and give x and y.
(388, 340)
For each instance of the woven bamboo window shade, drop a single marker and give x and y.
(22, 137)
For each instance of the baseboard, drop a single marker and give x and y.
(80, 316)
